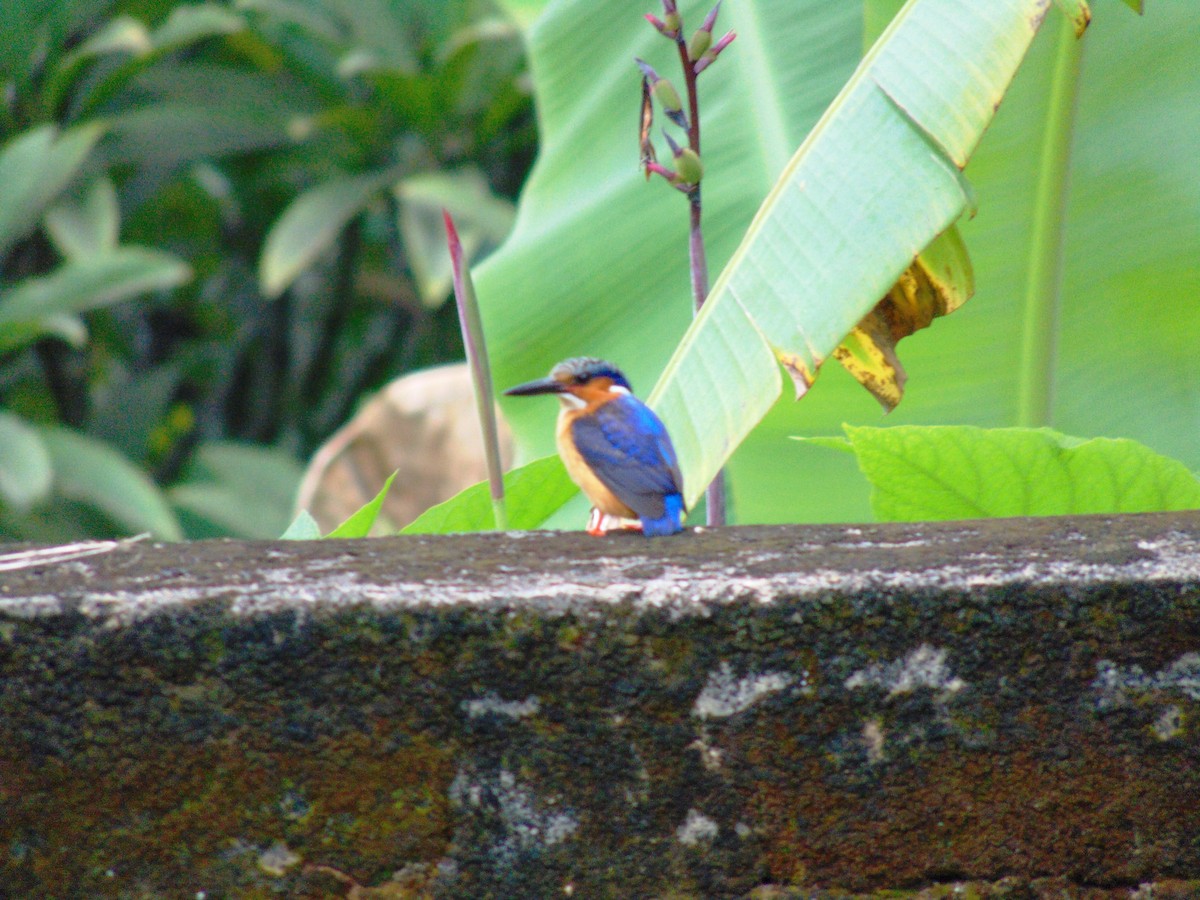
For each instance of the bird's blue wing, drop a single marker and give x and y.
(628, 448)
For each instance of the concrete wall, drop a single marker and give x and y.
(751, 712)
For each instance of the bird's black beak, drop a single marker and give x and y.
(541, 386)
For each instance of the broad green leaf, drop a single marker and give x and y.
(34, 167)
(87, 224)
(311, 223)
(961, 472)
(359, 524)
(91, 472)
(237, 489)
(815, 261)
(303, 528)
(483, 221)
(532, 492)
(25, 471)
(606, 273)
(85, 284)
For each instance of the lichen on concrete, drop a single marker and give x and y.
(1001, 709)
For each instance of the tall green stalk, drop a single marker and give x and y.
(481, 370)
(1043, 288)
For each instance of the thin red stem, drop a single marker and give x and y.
(715, 493)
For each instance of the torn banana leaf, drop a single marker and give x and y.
(938, 282)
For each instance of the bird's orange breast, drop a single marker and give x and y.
(581, 473)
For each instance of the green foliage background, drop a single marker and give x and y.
(164, 163)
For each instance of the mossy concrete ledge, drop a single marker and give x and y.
(746, 712)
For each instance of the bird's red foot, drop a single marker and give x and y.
(600, 524)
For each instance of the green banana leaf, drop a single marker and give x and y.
(597, 261)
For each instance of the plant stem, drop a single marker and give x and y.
(481, 370)
(1043, 289)
(714, 494)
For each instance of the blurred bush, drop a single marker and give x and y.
(220, 226)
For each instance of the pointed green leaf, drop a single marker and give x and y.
(533, 493)
(961, 472)
(34, 167)
(25, 470)
(303, 528)
(91, 472)
(359, 524)
(311, 223)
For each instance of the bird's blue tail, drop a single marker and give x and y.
(671, 520)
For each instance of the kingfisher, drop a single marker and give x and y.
(614, 447)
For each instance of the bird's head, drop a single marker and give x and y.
(578, 382)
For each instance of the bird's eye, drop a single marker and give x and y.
(581, 379)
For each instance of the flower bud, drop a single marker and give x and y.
(662, 27)
(700, 42)
(666, 94)
(688, 167)
(711, 53)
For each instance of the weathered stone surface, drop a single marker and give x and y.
(763, 711)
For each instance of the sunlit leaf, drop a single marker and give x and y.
(959, 472)
(311, 223)
(25, 470)
(91, 472)
(34, 167)
(533, 492)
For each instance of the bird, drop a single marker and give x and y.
(614, 447)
